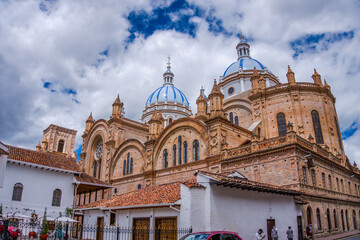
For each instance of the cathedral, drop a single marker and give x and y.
(283, 134)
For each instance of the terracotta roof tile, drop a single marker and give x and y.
(162, 194)
(248, 184)
(192, 183)
(42, 158)
(86, 178)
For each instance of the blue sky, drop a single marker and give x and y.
(62, 59)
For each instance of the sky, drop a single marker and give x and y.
(62, 59)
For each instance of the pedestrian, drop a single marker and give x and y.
(308, 232)
(290, 234)
(274, 233)
(259, 235)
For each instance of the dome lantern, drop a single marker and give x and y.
(243, 48)
(168, 75)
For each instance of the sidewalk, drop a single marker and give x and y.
(340, 235)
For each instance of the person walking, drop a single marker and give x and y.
(274, 233)
(308, 232)
(290, 234)
(259, 235)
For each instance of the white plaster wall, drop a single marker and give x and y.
(3, 160)
(39, 185)
(244, 211)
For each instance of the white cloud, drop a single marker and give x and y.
(63, 46)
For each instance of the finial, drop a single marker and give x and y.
(242, 38)
(168, 62)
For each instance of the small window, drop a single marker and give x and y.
(139, 186)
(131, 164)
(99, 169)
(180, 149)
(313, 177)
(128, 163)
(231, 117)
(174, 155)
(237, 120)
(94, 168)
(328, 218)
(124, 168)
(323, 179)
(281, 122)
(112, 219)
(330, 183)
(170, 120)
(231, 90)
(115, 190)
(165, 159)
(337, 184)
(185, 152)
(304, 175)
(17, 192)
(196, 150)
(57, 198)
(61, 146)
(338, 132)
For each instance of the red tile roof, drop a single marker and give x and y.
(162, 194)
(42, 158)
(86, 178)
(247, 184)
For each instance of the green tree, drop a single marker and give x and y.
(45, 225)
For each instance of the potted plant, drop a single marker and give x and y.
(32, 234)
(44, 228)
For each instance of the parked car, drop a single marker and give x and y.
(213, 235)
(14, 232)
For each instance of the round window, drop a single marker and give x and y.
(231, 90)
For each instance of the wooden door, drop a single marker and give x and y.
(300, 228)
(270, 224)
(166, 228)
(100, 228)
(141, 229)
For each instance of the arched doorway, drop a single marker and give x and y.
(347, 219)
(354, 219)
(342, 220)
(309, 215)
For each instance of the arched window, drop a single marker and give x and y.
(99, 169)
(56, 200)
(94, 168)
(342, 185)
(328, 219)
(330, 183)
(165, 159)
(180, 149)
(237, 120)
(338, 132)
(347, 219)
(231, 117)
(317, 127)
(131, 164)
(170, 120)
(281, 122)
(337, 184)
(185, 152)
(313, 177)
(124, 169)
(174, 155)
(350, 192)
(318, 217)
(128, 163)
(354, 219)
(196, 150)
(60, 146)
(335, 219)
(323, 179)
(309, 215)
(304, 175)
(17, 192)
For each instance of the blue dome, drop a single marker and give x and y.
(245, 64)
(167, 93)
